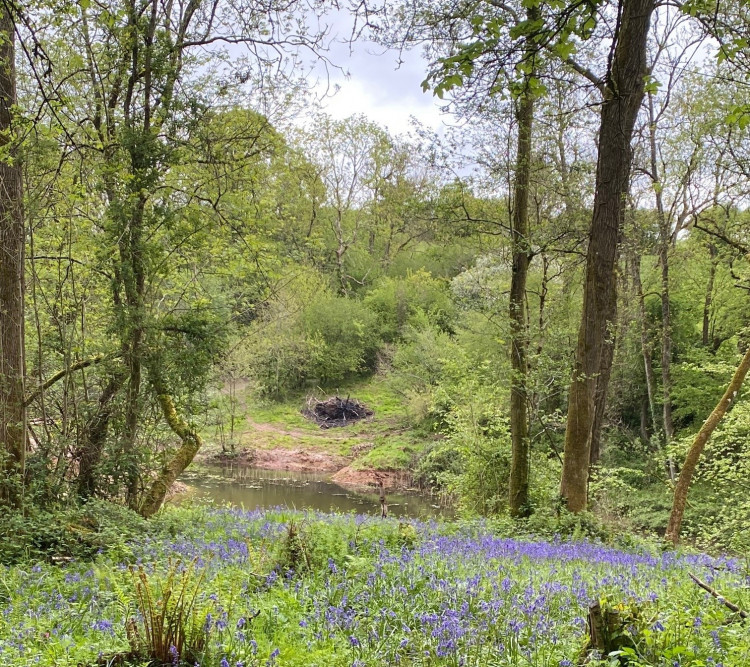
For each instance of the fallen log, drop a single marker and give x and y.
(729, 605)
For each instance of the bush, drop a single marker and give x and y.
(310, 335)
(399, 303)
(346, 338)
(76, 532)
(416, 370)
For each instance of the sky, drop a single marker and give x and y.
(378, 87)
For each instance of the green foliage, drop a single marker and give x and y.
(699, 383)
(76, 532)
(553, 519)
(311, 336)
(512, 40)
(192, 343)
(720, 511)
(310, 546)
(345, 335)
(397, 302)
(173, 621)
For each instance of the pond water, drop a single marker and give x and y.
(249, 487)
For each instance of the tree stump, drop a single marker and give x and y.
(607, 632)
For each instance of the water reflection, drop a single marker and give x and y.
(251, 488)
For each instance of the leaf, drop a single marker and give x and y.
(651, 84)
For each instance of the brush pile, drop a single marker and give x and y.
(336, 411)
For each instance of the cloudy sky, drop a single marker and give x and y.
(378, 87)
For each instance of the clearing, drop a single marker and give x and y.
(277, 436)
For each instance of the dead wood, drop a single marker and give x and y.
(336, 411)
(729, 605)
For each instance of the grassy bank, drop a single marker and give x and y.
(384, 442)
(283, 588)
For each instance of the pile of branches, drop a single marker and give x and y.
(336, 411)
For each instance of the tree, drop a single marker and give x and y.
(12, 291)
(696, 449)
(349, 156)
(494, 47)
(132, 101)
(623, 92)
(671, 162)
(519, 422)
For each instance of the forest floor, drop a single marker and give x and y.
(277, 436)
(359, 591)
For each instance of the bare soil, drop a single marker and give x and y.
(308, 460)
(300, 460)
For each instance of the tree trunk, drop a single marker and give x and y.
(12, 245)
(93, 438)
(645, 349)
(622, 99)
(666, 338)
(133, 278)
(665, 238)
(644, 425)
(696, 449)
(600, 397)
(191, 443)
(666, 354)
(706, 339)
(519, 423)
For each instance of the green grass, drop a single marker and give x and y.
(389, 453)
(384, 442)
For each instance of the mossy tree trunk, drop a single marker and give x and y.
(183, 457)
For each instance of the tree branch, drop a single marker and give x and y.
(586, 73)
(80, 365)
(720, 598)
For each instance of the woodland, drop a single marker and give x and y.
(545, 300)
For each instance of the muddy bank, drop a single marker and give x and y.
(178, 490)
(299, 460)
(307, 460)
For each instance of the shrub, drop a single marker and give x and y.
(417, 369)
(174, 619)
(346, 338)
(311, 546)
(78, 531)
(311, 335)
(399, 302)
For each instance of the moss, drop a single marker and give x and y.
(191, 443)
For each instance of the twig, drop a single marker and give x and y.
(720, 598)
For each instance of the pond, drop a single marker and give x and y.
(248, 487)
